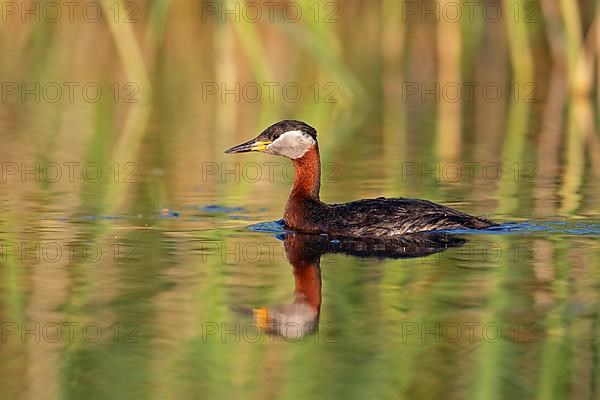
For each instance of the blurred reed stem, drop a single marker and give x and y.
(555, 371)
(253, 47)
(130, 53)
(580, 118)
(549, 141)
(491, 353)
(449, 122)
(518, 114)
(226, 113)
(597, 53)
(157, 22)
(11, 271)
(394, 108)
(320, 43)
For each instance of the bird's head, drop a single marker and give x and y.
(287, 138)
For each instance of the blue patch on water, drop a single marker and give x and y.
(579, 228)
(573, 228)
(564, 227)
(216, 209)
(269, 227)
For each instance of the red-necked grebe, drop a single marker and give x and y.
(378, 217)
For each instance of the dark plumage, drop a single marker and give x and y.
(380, 217)
(304, 249)
(383, 217)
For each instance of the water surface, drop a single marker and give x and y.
(139, 261)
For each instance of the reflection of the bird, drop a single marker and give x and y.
(304, 254)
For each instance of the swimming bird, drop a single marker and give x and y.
(377, 217)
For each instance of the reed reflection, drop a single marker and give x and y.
(304, 252)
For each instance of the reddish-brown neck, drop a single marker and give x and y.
(308, 285)
(307, 175)
(307, 273)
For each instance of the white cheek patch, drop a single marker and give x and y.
(292, 144)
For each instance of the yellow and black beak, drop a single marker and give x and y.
(252, 145)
